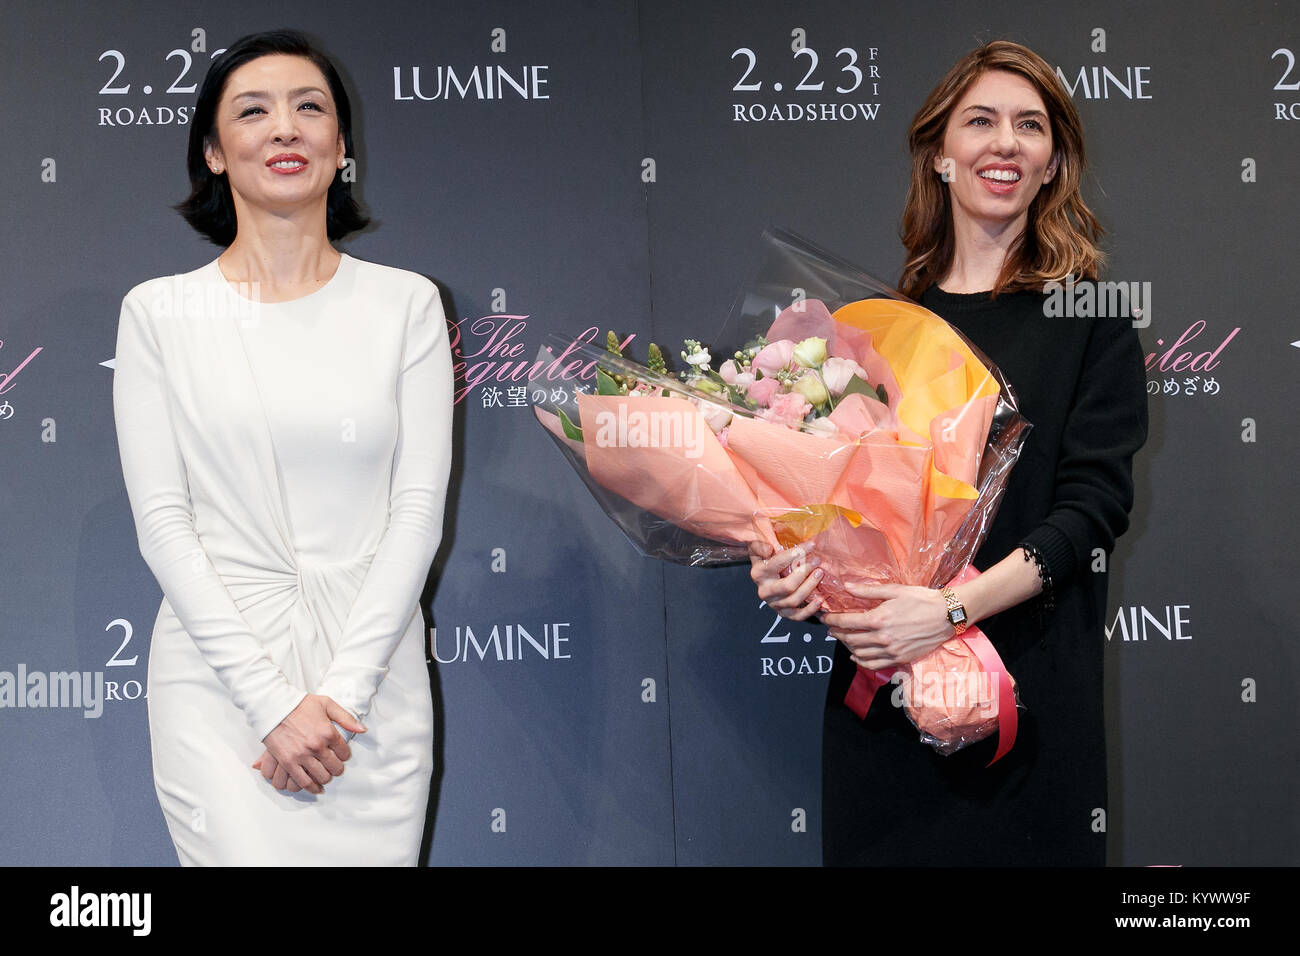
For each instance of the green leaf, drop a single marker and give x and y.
(570, 430)
(857, 386)
(604, 384)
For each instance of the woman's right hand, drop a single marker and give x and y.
(306, 749)
(786, 579)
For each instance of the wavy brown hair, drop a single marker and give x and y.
(1061, 233)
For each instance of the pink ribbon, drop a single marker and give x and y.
(867, 682)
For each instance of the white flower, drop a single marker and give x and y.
(811, 352)
(702, 357)
(811, 388)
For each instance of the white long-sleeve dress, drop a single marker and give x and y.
(287, 468)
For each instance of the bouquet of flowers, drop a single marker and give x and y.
(849, 417)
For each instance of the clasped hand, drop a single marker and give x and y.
(907, 624)
(305, 750)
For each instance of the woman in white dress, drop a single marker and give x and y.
(284, 422)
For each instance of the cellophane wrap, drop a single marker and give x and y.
(898, 491)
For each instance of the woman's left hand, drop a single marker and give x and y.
(907, 624)
(273, 772)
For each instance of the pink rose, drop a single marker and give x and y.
(763, 391)
(787, 409)
(732, 375)
(838, 372)
(774, 357)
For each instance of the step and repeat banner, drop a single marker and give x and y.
(567, 168)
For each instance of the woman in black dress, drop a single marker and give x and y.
(994, 213)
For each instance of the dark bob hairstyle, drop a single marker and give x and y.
(209, 207)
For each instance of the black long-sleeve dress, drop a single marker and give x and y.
(890, 800)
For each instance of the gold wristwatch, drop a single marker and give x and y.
(956, 612)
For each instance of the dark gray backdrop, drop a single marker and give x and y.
(630, 196)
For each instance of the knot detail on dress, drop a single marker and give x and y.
(309, 602)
